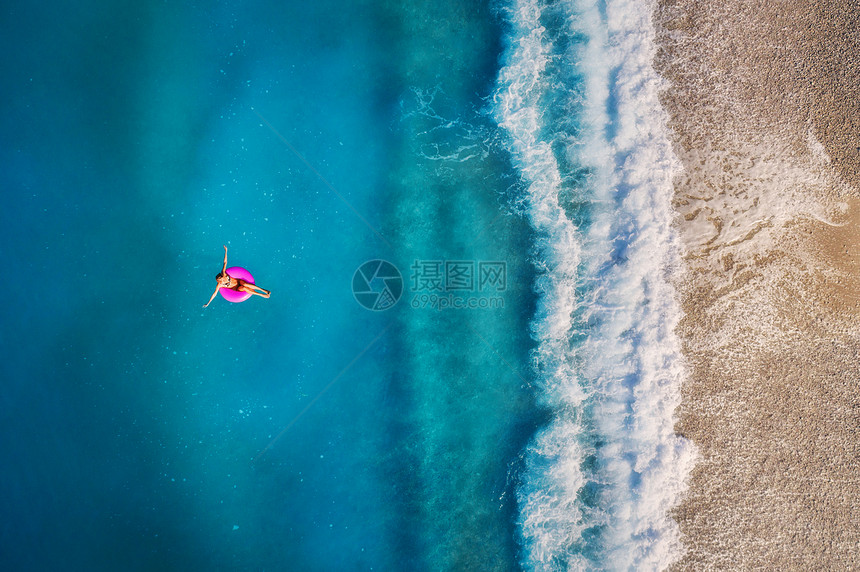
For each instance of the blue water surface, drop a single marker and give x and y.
(303, 432)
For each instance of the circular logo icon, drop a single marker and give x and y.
(377, 285)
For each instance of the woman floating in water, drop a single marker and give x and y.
(239, 281)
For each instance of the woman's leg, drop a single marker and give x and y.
(254, 289)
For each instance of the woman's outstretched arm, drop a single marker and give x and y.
(213, 296)
(224, 269)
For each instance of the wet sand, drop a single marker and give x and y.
(764, 105)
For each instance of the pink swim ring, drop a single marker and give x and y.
(238, 273)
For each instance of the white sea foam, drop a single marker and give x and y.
(602, 477)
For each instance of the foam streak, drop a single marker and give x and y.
(578, 99)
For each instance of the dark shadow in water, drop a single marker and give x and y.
(454, 501)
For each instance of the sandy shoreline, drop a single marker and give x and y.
(764, 104)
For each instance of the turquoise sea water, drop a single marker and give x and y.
(305, 432)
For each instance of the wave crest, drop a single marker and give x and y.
(578, 98)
